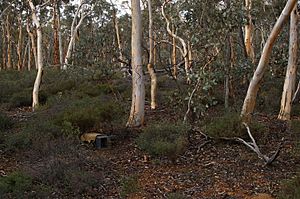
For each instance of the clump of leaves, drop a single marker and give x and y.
(164, 139)
(230, 125)
(129, 185)
(15, 183)
(291, 189)
(5, 122)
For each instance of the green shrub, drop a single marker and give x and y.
(291, 189)
(230, 125)
(88, 113)
(15, 183)
(23, 98)
(176, 196)
(164, 139)
(129, 185)
(5, 122)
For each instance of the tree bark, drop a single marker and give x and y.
(33, 44)
(174, 54)
(151, 64)
(20, 44)
(137, 112)
(250, 99)
(36, 87)
(3, 47)
(56, 57)
(290, 78)
(74, 30)
(184, 50)
(8, 35)
(249, 32)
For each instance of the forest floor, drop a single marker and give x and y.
(211, 169)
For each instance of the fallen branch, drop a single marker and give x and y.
(253, 146)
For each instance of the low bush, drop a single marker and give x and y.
(291, 189)
(165, 139)
(15, 184)
(229, 125)
(90, 113)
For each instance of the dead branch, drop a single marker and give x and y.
(253, 146)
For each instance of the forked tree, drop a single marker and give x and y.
(250, 99)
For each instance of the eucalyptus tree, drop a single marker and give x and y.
(137, 112)
(250, 99)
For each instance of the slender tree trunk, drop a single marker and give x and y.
(56, 58)
(24, 59)
(36, 87)
(8, 34)
(249, 31)
(184, 50)
(20, 44)
(74, 30)
(290, 78)
(61, 54)
(174, 54)
(33, 44)
(3, 47)
(137, 112)
(250, 99)
(120, 47)
(150, 64)
(190, 55)
(29, 55)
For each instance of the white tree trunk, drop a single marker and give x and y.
(137, 112)
(184, 50)
(150, 64)
(36, 87)
(74, 30)
(290, 78)
(250, 99)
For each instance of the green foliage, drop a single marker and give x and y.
(23, 98)
(88, 113)
(164, 139)
(291, 189)
(5, 122)
(129, 185)
(15, 183)
(230, 125)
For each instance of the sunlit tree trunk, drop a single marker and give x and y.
(150, 64)
(61, 54)
(36, 87)
(29, 56)
(20, 44)
(137, 112)
(249, 31)
(8, 36)
(290, 78)
(250, 99)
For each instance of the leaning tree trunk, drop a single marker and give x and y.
(150, 64)
(249, 31)
(33, 44)
(250, 99)
(36, 87)
(290, 78)
(137, 112)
